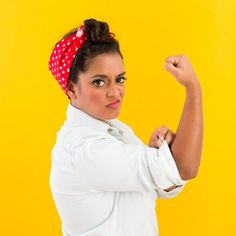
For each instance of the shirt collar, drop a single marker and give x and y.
(78, 117)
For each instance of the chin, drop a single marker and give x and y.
(113, 117)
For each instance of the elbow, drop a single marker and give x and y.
(188, 168)
(190, 174)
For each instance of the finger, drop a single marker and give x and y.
(156, 139)
(169, 136)
(156, 144)
(171, 68)
(164, 129)
(173, 60)
(161, 132)
(153, 140)
(159, 143)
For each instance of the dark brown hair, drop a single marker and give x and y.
(98, 42)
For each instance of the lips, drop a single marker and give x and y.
(113, 102)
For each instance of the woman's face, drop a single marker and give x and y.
(100, 85)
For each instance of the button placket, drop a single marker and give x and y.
(114, 131)
(118, 133)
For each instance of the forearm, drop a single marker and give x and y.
(187, 145)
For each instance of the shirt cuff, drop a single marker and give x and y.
(163, 168)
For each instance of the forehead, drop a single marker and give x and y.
(107, 63)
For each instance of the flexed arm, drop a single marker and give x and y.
(187, 145)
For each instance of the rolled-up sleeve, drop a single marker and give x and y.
(165, 172)
(104, 163)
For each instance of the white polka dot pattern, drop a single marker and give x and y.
(63, 55)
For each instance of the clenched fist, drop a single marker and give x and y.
(180, 67)
(160, 134)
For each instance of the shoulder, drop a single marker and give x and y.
(71, 132)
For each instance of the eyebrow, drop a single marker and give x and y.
(104, 76)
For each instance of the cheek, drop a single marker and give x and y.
(123, 90)
(95, 97)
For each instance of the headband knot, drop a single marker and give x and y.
(63, 55)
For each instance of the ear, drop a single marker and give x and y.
(71, 89)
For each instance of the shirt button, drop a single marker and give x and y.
(109, 129)
(120, 132)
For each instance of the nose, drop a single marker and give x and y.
(113, 91)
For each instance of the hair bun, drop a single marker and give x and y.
(97, 31)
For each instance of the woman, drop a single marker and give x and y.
(104, 179)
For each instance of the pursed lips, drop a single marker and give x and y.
(113, 102)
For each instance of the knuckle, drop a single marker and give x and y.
(164, 128)
(157, 132)
(153, 136)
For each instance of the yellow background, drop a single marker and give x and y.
(33, 106)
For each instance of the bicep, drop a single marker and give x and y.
(106, 164)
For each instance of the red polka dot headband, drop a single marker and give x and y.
(63, 55)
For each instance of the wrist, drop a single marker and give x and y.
(193, 85)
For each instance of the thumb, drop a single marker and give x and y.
(171, 68)
(169, 136)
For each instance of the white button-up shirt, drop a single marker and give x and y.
(105, 180)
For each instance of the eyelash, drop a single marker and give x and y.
(94, 82)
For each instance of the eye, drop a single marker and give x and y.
(96, 82)
(122, 78)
